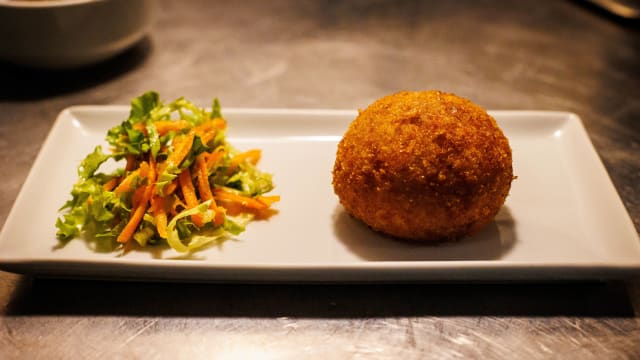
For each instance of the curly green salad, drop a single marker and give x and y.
(177, 182)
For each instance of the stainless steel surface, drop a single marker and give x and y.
(552, 55)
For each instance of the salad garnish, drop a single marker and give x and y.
(182, 183)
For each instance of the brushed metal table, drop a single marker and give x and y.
(560, 55)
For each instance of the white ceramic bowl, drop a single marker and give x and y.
(70, 33)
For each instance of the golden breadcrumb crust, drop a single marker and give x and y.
(423, 165)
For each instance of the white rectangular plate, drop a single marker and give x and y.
(562, 220)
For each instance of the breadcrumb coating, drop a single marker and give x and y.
(423, 165)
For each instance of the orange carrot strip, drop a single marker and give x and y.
(109, 185)
(219, 123)
(128, 246)
(224, 195)
(208, 130)
(131, 162)
(161, 167)
(152, 175)
(126, 233)
(169, 189)
(160, 214)
(140, 127)
(181, 147)
(144, 169)
(211, 124)
(125, 185)
(215, 156)
(188, 191)
(208, 136)
(137, 196)
(204, 188)
(180, 150)
(138, 212)
(204, 127)
(233, 208)
(166, 126)
(189, 194)
(252, 156)
(268, 200)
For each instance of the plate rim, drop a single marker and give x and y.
(603, 269)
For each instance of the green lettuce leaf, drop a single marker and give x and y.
(95, 217)
(215, 109)
(92, 162)
(154, 139)
(142, 106)
(125, 139)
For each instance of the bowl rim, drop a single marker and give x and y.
(43, 4)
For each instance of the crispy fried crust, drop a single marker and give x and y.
(423, 166)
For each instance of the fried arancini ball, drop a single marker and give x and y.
(424, 165)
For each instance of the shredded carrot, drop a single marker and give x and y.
(139, 210)
(189, 194)
(221, 213)
(208, 136)
(208, 129)
(181, 150)
(125, 185)
(145, 169)
(140, 127)
(236, 204)
(166, 126)
(252, 156)
(130, 228)
(215, 156)
(138, 196)
(268, 200)
(169, 189)
(204, 188)
(160, 214)
(128, 246)
(217, 123)
(236, 208)
(131, 163)
(181, 147)
(204, 127)
(263, 214)
(248, 202)
(109, 185)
